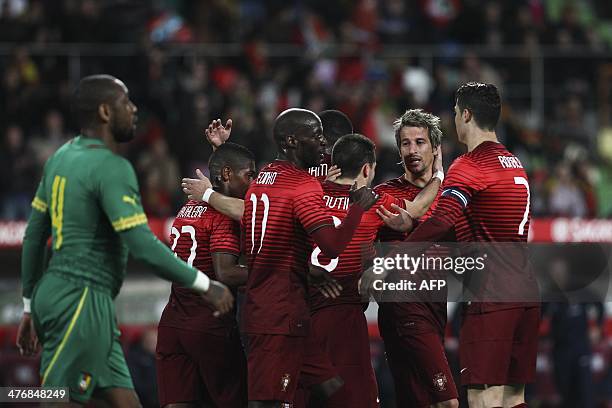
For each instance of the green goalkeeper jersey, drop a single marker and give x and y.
(89, 197)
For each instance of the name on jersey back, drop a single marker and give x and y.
(192, 211)
(341, 203)
(266, 177)
(510, 162)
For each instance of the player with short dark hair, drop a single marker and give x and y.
(485, 198)
(284, 207)
(338, 323)
(88, 201)
(335, 125)
(353, 152)
(413, 332)
(199, 356)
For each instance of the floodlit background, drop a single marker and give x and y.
(189, 62)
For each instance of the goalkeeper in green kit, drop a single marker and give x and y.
(88, 201)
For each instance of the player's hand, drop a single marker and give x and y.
(322, 280)
(437, 163)
(27, 340)
(333, 173)
(400, 221)
(366, 282)
(220, 296)
(217, 134)
(364, 197)
(195, 188)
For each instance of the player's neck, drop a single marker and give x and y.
(291, 158)
(419, 180)
(347, 181)
(478, 137)
(100, 134)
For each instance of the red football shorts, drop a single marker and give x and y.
(499, 347)
(277, 362)
(416, 358)
(194, 366)
(342, 331)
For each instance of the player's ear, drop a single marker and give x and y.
(226, 173)
(466, 114)
(365, 170)
(291, 141)
(104, 111)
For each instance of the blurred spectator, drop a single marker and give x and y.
(53, 136)
(571, 126)
(474, 69)
(140, 358)
(565, 197)
(18, 176)
(161, 179)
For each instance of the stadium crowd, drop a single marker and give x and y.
(347, 65)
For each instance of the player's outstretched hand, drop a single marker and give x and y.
(220, 296)
(322, 280)
(333, 173)
(27, 340)
(437, 164)
(195, 188)
(217, 134)
(364, 197)
(400, 221)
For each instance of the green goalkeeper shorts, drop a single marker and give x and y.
(78, 331)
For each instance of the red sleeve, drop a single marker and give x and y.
(437, 227)
(332, 240)
(308, 206)
(225, 236)
(463, 180)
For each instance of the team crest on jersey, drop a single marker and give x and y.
(84, 382)
(285, 382)
(440, 381)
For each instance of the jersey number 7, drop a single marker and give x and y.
(523, 182)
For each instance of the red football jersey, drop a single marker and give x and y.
(282, 206)
(404, 190)
(491, 186)
(197, 232)
(435, 312)
(348, 267)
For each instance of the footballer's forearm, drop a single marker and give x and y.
(229, 206)
(421, 203)
(34, 250)
(228, 270)
(437, 227)
(144, 246)
(333, 240)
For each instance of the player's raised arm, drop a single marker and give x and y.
(200, 189)
(120, 199)
(217, 134)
